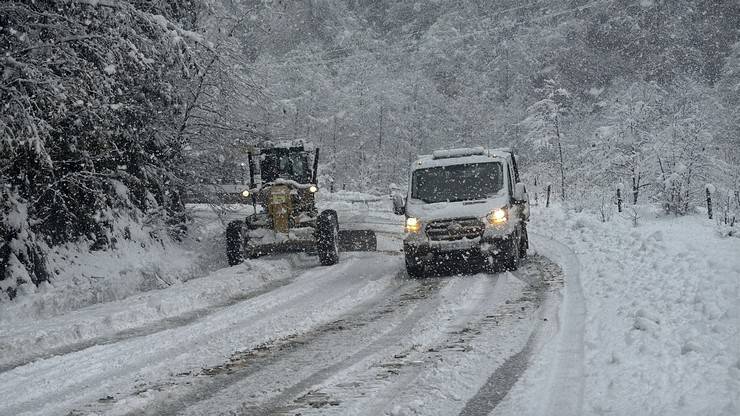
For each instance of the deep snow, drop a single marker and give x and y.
(662, 328)
(647, 322)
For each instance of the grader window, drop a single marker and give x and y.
(286, 164)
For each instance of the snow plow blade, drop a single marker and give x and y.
(357, 240)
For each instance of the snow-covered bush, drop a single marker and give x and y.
(21, 252)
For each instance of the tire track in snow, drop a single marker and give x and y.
(288, 369)
(565, 374)
(498, 385)
(164, 324)
(440, 377)
(96, 372)
(388, 341)
(482, 293)
(566, 381)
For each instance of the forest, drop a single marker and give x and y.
(112, 111)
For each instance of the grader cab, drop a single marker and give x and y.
(282, 189)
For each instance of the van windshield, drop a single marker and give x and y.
(457, 182)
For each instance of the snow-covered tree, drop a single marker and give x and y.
(682, 146)
(544, 125)
(89, 104)
(628, 130)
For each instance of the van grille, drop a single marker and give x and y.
(455, 229)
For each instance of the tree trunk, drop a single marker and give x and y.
(560, 153)
(380, 142)
(380, 129)
(334, 137)
(636, 179)
(709, 204)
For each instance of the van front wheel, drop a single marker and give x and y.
(513, 255)
(413, 268)
(524, 242)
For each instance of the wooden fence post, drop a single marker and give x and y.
(709, 203)
(547, 204)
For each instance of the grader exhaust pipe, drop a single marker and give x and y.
(315, 167)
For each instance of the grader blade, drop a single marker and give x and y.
(357, 240)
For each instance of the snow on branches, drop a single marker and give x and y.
(543, 124)
(89, 97)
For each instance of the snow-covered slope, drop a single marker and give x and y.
(155, 310)
(84, 277)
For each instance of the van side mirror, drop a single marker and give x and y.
(399, 208)
(520, 192)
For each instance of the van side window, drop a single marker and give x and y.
(511, 189)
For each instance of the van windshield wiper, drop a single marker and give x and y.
(476, 200)
(473, 200)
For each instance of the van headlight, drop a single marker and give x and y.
(498, 216)
(413, 225)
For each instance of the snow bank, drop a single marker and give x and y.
(83, 277)
(662, 330)
(348, 196)
(101, 321)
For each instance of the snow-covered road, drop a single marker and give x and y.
(355, 338)
(601, 318)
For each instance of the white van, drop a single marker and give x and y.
(464, 205)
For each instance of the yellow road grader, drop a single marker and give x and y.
(282, 189)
